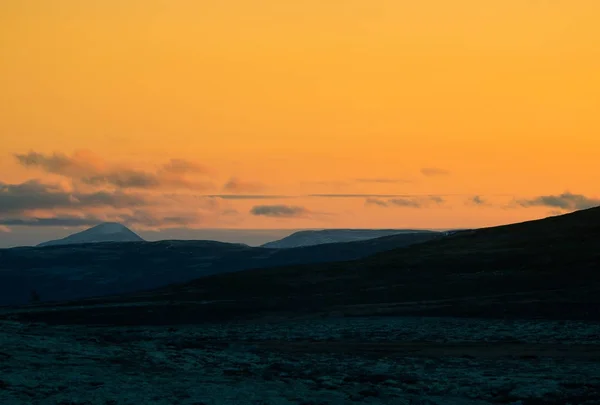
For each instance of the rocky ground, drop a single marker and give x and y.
(385, 360)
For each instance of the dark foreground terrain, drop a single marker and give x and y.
(505, 315)
(391, 360)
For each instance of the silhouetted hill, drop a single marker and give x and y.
(548, 268)
(105, 232)
(84, 270)
(310, 238)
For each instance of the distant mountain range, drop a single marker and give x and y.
(66, 271)
(538, 269)
(311, 238)
(106, 232)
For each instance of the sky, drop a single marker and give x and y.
(267, 114)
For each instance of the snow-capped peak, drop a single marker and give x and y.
(108, 227)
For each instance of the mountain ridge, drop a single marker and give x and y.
(547, 268)
(317, 237)
(76, 271)
(104, 232)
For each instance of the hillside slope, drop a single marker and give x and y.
(105, 232)
(548, 268)
(310, 238)
(85, 270)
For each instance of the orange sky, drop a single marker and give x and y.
(306, 97)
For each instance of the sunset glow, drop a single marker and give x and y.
(309, 114)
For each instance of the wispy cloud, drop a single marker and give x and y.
(376, 201)
(124, 179)
(413, 202)
(434, 171)
(32, 195)
(137, 218)
(235, 185)
(279, 211)
(66, 221)
(92, 170)
(564, 201)
(5, 229)
(37, 204)
(249, 196)
(405, 202)
(382, 180)
(437, 199)
(82, 163)
(355, 195)
(478, 200)
(431, 197)
(149, 219)
(182, 166)
(329, 183)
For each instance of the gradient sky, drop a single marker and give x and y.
(387, 113)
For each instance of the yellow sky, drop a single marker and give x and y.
(309, 96)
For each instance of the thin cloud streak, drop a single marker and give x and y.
(434, 171)
(415, 202)
(248, 196)
(63, 221)
(355, 195)
(236, 185)
(279, 211)
(379, 195)
(564, 201)
(382, 180)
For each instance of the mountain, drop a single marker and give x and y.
(310, 238)
(105, 232)
(547, 268)
(66, 272)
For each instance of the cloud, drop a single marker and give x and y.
(564, 201)
(478, 201)
(37, 204)
(413, 202)
(328, 183)
(376, 201)
(381, 180)
(80, 164)
(89, 169)
(279, 211)
(34, 195)
(248, 196)
(406, 202)
(399, 197)
(355, 195)
(147, 219)
(137, 218)
(437, 199)
(66, 221)
(5, 229)
(235, 185)
(124, 179)
(434, 171)
(185, 166)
